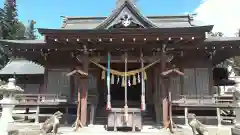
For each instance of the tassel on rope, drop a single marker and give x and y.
(134, 80)
(118, 79)
(112, 79)
(139, 81)
(103, 75)
(129, 82)
(123, 81)
(145, 75)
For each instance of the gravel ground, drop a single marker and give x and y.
(147, 130)
(213, 130)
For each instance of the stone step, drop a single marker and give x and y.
(32, 126)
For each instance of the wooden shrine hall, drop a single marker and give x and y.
(132, 62)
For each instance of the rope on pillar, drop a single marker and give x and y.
(125, 88)
(143, 78)
(109, 106)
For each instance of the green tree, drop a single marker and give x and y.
(3, 24)
(10, 28)
(233, 61)
(10, 18)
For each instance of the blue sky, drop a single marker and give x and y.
(47, 12)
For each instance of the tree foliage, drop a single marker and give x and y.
(10, 27)
(234, 61)
(15, 29)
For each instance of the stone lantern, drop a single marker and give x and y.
(8, 102)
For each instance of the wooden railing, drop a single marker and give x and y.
(38, 99)
(192, 99)
(203, 100)
(188, 103)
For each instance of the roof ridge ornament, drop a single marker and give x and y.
(119, 3)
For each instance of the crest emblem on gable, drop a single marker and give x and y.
(126, 20)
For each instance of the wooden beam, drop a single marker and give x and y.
(128, 35)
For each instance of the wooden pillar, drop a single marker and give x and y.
(72, 89)
(164, 90)
(181, 69)
(211, 83)
(37, 114)
(186, 115)
(92, 114)
(27, 112)
(37, 111)
(156, 96)
(219, 117)
(84, 86)
(45, 81)
(66, 116)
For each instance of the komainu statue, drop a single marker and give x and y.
(51, 124)
(197, 127)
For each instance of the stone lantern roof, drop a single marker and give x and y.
(11, 87)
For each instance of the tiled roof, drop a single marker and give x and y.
(21, 67)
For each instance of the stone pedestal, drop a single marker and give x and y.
(8, 103)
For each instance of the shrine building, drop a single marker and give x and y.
(125, 63)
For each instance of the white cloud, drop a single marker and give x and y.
(224, 14)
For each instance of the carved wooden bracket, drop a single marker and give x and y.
(172, 72)
(78, 71)
(45, 55)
